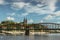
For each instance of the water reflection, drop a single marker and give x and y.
(35, 37)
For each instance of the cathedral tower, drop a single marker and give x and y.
(25, 21)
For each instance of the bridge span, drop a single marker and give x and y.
(38, 26)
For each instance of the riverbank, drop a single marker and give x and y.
(23, 32)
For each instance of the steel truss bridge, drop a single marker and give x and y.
(49, 26)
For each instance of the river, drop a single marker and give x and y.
(55, 36)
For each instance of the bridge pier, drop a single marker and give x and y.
(27, 31)
(0, 29)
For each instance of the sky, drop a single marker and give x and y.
(36, 11)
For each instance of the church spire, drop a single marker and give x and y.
(25, 20)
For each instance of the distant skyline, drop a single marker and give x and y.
(36, 11)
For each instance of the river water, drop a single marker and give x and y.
(35, 37)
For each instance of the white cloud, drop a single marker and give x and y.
(30, 8)
(48, 17)
(2, 1)
(52, 4)
(58, 22)
(40, 5)
(24, 14)
(19, 5)
(41, 21)
(49, 3)
(39, 9)
(11, 14)
(55, 17)
(10, 18)
(57, 13)
(30, 21)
